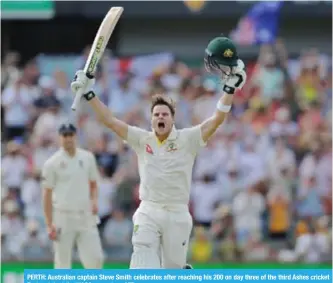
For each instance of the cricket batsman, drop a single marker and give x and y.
(69, 181)
(162, 223)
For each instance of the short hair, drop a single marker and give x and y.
(160, 99)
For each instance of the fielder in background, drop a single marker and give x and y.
(162, 223)
(69, 181)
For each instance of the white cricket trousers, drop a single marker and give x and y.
(161, 236)
(78, 228)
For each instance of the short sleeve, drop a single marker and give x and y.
(135, 136)
(93, 170)
(48, 176)
(194, 138)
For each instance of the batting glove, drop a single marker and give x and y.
(83, 84)
(237, 80)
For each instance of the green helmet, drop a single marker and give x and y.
(220, 53)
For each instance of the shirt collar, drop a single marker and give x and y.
(66, 153)
(172, 136)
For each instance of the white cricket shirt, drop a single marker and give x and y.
(69, 177)
(166, 169)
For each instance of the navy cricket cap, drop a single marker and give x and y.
(67, 129)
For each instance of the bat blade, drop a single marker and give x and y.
(101, 40)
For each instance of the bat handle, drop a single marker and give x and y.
(77, 99)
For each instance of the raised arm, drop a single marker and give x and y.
(103, 114)
(106, 117)
(209, 127)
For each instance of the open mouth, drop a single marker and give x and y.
(161, 125)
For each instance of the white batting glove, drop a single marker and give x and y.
(82, 83)
(237, 80)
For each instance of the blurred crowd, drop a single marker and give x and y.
(262, 188)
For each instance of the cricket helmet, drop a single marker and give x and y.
(221, 56)
(67, 129)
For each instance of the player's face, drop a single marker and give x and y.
(68, 141)
(162, 120)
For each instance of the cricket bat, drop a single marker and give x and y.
(101, 40)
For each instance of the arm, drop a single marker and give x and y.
(93, 196)
(48, 214)
(106, 117)
(93, 189)
(48, 183)
(209, 127)
(236, 81)
(47, 206)
(132, 135)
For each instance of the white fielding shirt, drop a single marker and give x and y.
(69, 177)
(166, 169)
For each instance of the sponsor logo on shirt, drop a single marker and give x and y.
(148, 149)
(171, 147)
(135, 229)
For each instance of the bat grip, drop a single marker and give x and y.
(77, 99)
